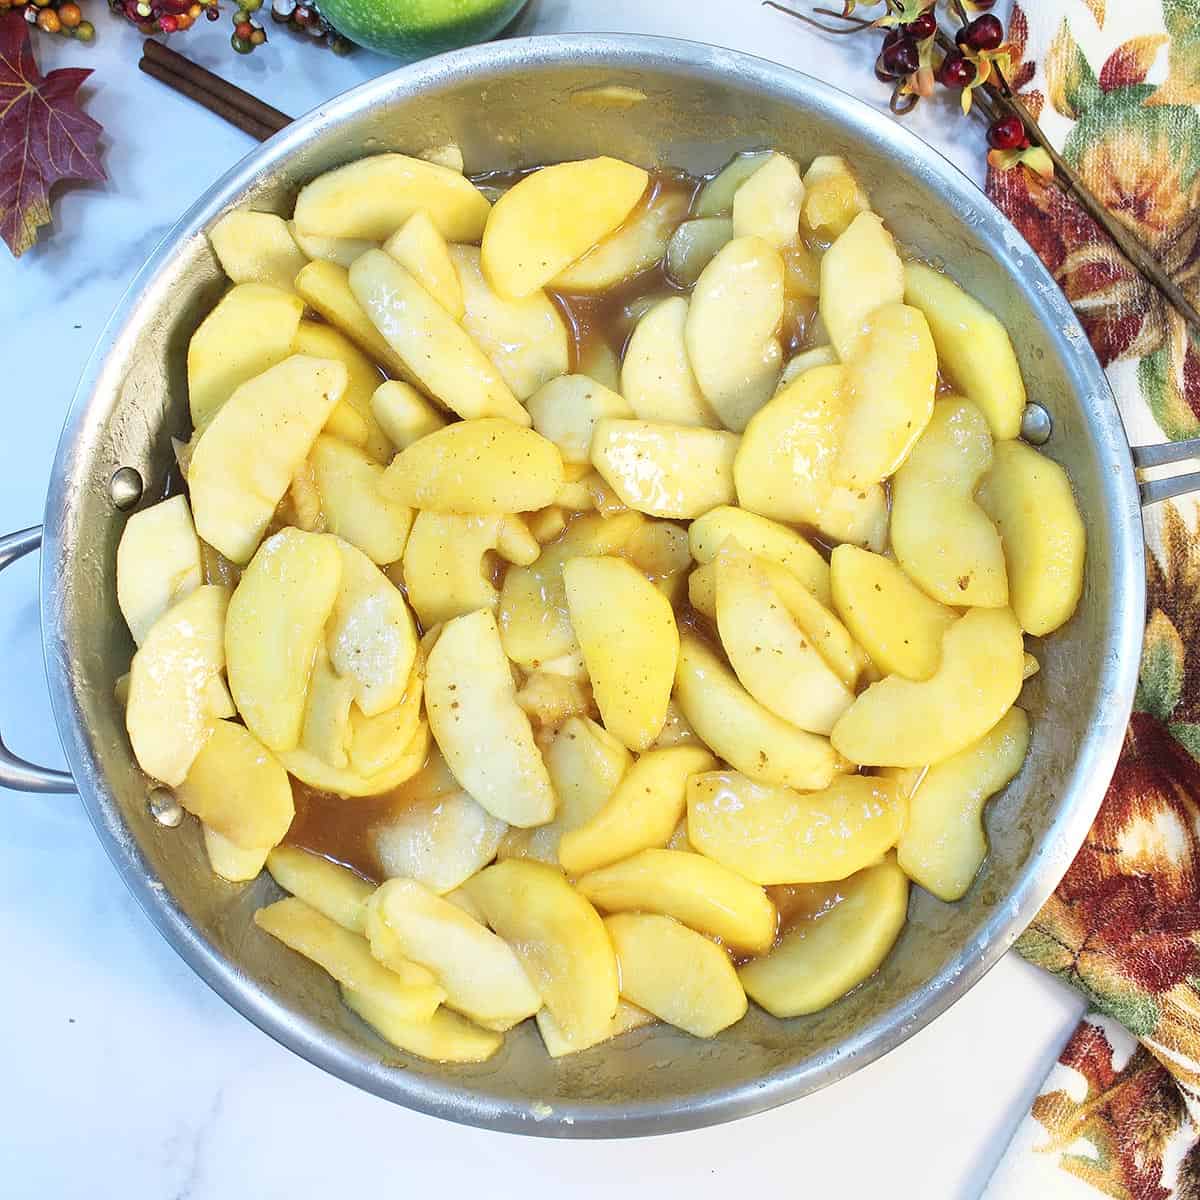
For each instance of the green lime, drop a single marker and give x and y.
(417, 28)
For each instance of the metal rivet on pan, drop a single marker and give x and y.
(164, 808)
(125, 488)
(1036, 425)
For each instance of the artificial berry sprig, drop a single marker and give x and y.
(303, 16)
(63, 17)
(916, 52)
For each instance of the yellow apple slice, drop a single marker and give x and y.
(694, 245)
(629, 1017)
(943, 844)
(833, 197)
(404, 415)
(256, 247)
(276, 619)
(246, 457)
(739, 729)
(676, 974)
(335, 891)
(775, 660)
(169, 715)
(1029, 498)
(566, 410)
(776, 835)
(421, 250)
(630, 644)
(158, 563)
(768, 204)
(344, 781)
(553, 217)
(860, 272)
(641, 813)
(236, 786)
(485, 465)
(481, 976)
(972, 346)
(900, 627)
(372, 197)
(902, 723)
(560, 940)
(486, 738)
(695, 890)
(718, 193)
(444, 1037)
(839, 942)
(342, 251)
(376, 742)
(228, 860)
(656, 377)
(325, 732)
(943, 539)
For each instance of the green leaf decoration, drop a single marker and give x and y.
(1160, 681)
(1070, 80)
(1182, 84)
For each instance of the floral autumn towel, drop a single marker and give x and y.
(1116, 85)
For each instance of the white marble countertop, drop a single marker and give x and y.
(125, 1074)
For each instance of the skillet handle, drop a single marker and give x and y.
(15, 772)
(1154, 490)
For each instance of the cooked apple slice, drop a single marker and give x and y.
(169, 715)
(345, 781)
(444, 1038)
(818, 356)
(250, 330)
(347, 957)
(695, 890)
(739, 729)
(421, 250)
(352, 420)
(404, 415)
(943, 844)
(732, 318)
(236, 786)
(764, 538)
(776, 835)
(372, 638)
(481, 976)
(638, 244)
(717, 195)
(342, 251)
(1029, 498)
(438, 837)
(972, 346)
(665, 470)
(228, 860)
(353, 502)
(553, 217)
(585, 763)
(246, 457)
(326, 289)
(676, 974)
(860, 272)
(445, 556)
(525, 339)
(333, 890)
(486, 738)
(256, 247)
(560, 940)
(641, 813)
(943, 539)
(629, 1017)
(377, 742)
(900, 627)
(276, 619)
(776, 661)
(783, 468)
(656, 377)
(436, 351)
(486, 465)
(372, 197)
(158, 563)
(387, 949)
(901, 723)
(889, 395)
(694, 245)
(833, 197)
(566, 410)
(630, 644)
(840, 940)
(326, 728)
(768, 204)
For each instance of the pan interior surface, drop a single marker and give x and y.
(510, 105)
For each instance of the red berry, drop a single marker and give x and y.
(212, 13)
(244, 30)
(984, 33)
(900, 58)
(1008, 133)
(168, 24)
(922, 27)
(956, 71)
(892, 36)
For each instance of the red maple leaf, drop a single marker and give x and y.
(45, 136)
